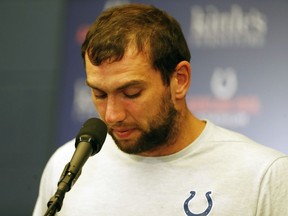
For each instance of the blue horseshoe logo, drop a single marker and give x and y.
(206, 212)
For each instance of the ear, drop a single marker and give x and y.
(181, 79)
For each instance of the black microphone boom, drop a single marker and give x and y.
(88, 142)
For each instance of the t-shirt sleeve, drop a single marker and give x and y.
(273, 196)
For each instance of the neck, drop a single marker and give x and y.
(189, 128)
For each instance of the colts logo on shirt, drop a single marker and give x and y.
(204, 213)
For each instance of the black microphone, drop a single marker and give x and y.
(89, 141)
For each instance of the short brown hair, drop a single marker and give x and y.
(147, 27)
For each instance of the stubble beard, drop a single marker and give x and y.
(162, 131)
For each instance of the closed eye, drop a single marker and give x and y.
(132, 92)
(99, 94)
(131, 96)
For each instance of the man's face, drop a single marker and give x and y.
(130, 97)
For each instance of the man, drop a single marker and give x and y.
(160, 159)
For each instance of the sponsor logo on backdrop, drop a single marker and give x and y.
(223, 106)
(210, 27)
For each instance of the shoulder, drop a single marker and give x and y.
(57, 162)
(65, 152)
(237, 147)
(59, 159)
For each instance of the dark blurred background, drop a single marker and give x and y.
(30, 67)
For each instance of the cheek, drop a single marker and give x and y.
(134, 109)
(138, 112)
(142, 111)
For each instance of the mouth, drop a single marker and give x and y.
(123, 133)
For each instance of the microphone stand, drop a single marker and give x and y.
(65, 183)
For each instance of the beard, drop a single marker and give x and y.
(162, 130)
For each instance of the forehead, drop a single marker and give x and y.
(133, 66)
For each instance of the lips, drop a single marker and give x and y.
(123, 133)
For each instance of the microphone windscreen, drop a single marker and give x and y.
(94, 131)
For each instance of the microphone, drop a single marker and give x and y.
(89, 142)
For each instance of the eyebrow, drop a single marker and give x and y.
(124, 86)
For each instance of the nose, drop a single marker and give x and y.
(115, 111)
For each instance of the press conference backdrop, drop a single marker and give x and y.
(239, 59)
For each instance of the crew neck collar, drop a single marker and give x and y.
(192, 147)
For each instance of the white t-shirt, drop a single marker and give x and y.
(222, 173)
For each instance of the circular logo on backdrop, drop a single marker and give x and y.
(224, 83)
